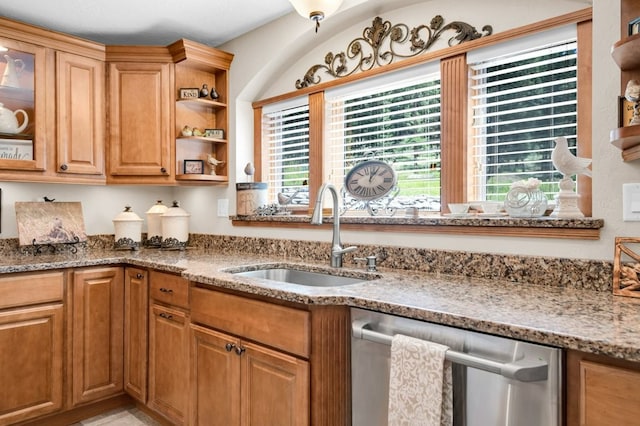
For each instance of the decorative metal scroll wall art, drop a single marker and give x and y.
(384, 43)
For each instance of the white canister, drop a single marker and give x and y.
(175, 227)
(154, 223)
(128, 229)
(250, 196)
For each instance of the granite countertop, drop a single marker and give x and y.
(585, 320)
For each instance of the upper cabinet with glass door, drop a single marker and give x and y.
(22, 106)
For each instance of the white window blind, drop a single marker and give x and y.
(397, 121)
(285, 135)
(520, 103)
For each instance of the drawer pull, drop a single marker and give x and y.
(229, 346)
(139, 276)
(240, 350)
(166, 290)
(166, 316)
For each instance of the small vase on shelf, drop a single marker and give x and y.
(204, 92)
(214, 94)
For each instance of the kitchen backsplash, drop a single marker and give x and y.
(549, 271)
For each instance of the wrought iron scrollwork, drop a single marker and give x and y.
(382, 43)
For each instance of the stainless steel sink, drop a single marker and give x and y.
(296, 276)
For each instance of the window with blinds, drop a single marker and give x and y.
(285, 132)
(397, 121)
(519, 104)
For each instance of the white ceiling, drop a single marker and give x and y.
(153, 22)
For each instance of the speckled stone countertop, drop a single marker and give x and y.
(562, 316)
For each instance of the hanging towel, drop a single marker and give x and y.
(420, 384)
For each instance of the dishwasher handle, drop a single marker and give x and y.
(524, 370)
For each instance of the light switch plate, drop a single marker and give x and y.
(631, 202)
(223, 207)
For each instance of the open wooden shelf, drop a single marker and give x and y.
(626, 52)
(202, 102)
(202, 177)
(202, 138)
(627, 139)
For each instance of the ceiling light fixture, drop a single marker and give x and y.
(316, 10)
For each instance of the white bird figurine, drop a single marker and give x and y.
(567, 163)
(249, 170)
(213, 162)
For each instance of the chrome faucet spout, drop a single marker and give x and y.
(316, 219)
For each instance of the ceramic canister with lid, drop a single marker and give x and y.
(154, 224)
(128, 229)
(175, 227)
(250, 196)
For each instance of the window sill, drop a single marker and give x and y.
(544, 227)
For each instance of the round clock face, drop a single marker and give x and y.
(370, 180)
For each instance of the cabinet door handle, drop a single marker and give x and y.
(63, 167)
(166, 290)
(163, 170)
(240, 350)
(229, 346)
(139, 276)
(166, 316)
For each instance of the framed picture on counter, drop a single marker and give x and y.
(193, 167)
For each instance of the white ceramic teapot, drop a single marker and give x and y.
(9, 120)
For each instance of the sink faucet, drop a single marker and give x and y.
(316, 219)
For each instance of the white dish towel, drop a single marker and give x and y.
(420, 384)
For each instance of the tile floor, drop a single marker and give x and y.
(120, 417)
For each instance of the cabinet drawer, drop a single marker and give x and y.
(277, 326)
(31, 289)
(170, 289)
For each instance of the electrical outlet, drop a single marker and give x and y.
(631, 202)
(223, 207)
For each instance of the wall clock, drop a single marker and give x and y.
(370, 184)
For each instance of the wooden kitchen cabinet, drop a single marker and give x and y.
(60, 85)
(140, 116)
(80, 115)
(23, 153)
(300, 352)
(602, 391)
(97, 322)
(136, 332)
(246, 383)
(32, 342)
(263, 385)
(169, 346)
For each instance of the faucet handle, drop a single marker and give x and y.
(371, 262)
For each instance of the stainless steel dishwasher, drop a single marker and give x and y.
(497, 381)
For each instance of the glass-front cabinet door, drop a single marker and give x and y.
(22, 105)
